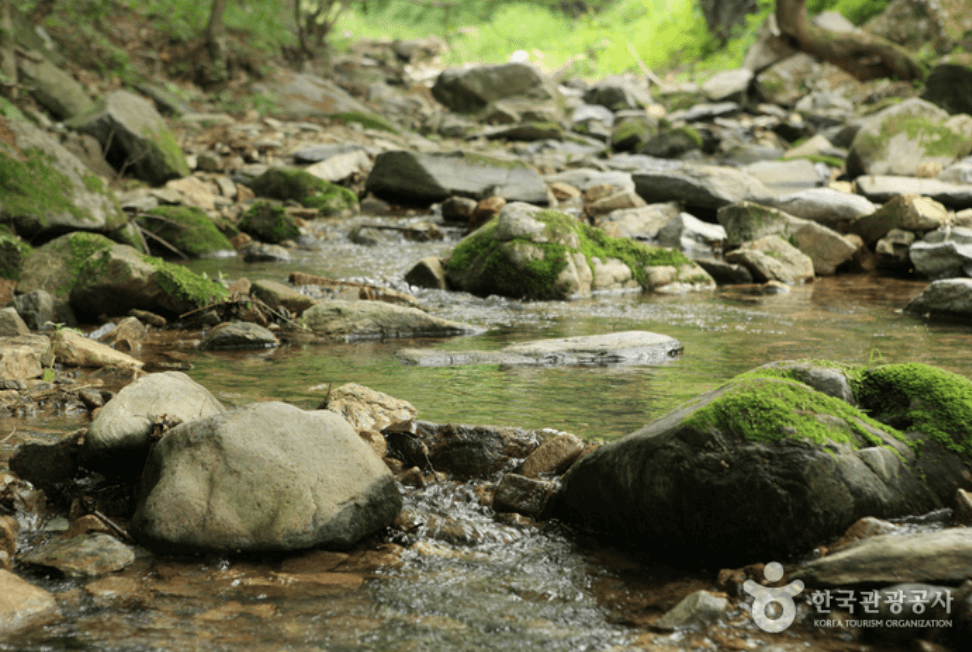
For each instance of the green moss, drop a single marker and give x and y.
(269, 223)
(13, 250)
(832, 161)
(169, 149)
(301, 186)
(368, 121)
(767, 406)
(918, 397)
(9, 110)
(936, 139)
(637, 256)
(333, 201)
(185, 284)
(33, 188)
(186, 228)
(631, 134)
(692, 134)
(94, 184)
(81, 246)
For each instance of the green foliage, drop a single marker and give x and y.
(856, 11)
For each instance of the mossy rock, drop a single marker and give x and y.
(672, 143)
(631, 134)
(368, 121)
(46, 190)
(769, 466)
(55, 266)
(303, 187)
(186, 228)
(268, 223)
(526, 252)
(13, 251)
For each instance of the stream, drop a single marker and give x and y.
(502, 585)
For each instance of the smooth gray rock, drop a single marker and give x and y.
(695, 611)
(959, 173)
(238, 335)
(832, 208)
(513, 88)
(707, 187)
(435, 177)
(773, 259)
(785, 177)
(941, 260)
(883, 188)
(83, 556)
(638, 223)
(952, 296)
(728, 85)
(120, 435)
(265, 477)
(941, 556)
(134, 137)
(691, 235)
(368, 320)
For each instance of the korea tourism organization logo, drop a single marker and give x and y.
(766, 597)
(774, 609)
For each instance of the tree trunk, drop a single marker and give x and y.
(215, 34)
(863, 55)
(8, 57)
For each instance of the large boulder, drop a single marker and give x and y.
(426, 178)
(265, 477)
(116, 280)
(773, 259)
(516, 89)
(946, 297)
(696, 186)
(46, 190)
(54, 267)
(898, 139)
(119, 437)
(134, 137)
(768, 466)
(526, 252)
(371, 320)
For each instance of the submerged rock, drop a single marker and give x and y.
(766, 466)
(238, 335)
(24, 606)
(87, 555)
(951, 296)
(376, 320)
(264, 477)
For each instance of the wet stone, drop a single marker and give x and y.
(367, 409)
(238, 335)
(553, 456)
(24, 606)
(696, 610)
(963, 507)
(115, 592)
(47, 465)
(517, 493)
(88, 555)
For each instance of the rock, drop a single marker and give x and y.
(73, 349)
(705, 187)
(705, 112)
(53, 88)
(696, 610)
(863, 529)
(427, 178)
(237, 335)
(9, 528)
(303, 187)
(269, 223)
(54, 267)
(126, 335)
(746, 221)
(308, 96)
(116, 280)
(88, 555)
(638, 223)
(914, 557)
(632, 133)
(277, 295)
(832, 208)
(266, 253)
(951, 296)
(897, 139)
(773, 259)
(458, 209)
(11, 324)
(963, 507)
(584, 179)
(134, 137)
(614, 201)
(784, 82)
(340, 167)
(785, 467)
(36, 308)
(617, 92)
(958, 173)
(19, 363)
(119, 437)
(882, 188)
(24, 606)
(47, 189)
(486, 210)
(553, 456)
(47, 465)
(465, 452)
(367, 409)
(948, 85)
(265, 477)
(427, 273)
(891, 251)
(522, 495)
(625, 347)
(724, 273)
(673, 143)
(353, 320)
(940, 260)
(524, 132)
(910, 212)
(188, 229)
(728, 85)
(691, 235)
(516, 89)
(527, 252)
(785, 177)
(768, 48)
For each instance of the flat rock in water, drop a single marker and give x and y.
(377, 320)
(436, 177)
(624, 348)
(238, 335)
(268, 476)
(24, 606)
(951, 296)
(75, 350)
(87, 555)
(941, 556)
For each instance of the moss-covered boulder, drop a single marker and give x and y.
(777, 461)
(46, 190)
(526, 252)
(54, 267)
(118, 279)
(134, 137)
(672, 143)
(13, 251)
(303, 187)
(268, 223)
(632, 133)
(186, 228)
(898, 139)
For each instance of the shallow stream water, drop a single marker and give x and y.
(504, 587)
